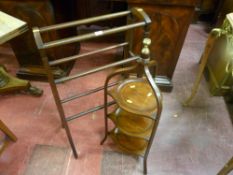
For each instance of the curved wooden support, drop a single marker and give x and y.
(158, 97)
(215, 33)
(109, 77)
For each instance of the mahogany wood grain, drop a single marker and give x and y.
(170, 22)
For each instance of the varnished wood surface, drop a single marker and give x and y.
(167, 31)
(134, 118)
(13, 84)
(132, 124)
(127, 144)
(135, 96)
(10, 27)
(35, 13)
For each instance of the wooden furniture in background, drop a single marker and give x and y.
(217, 58)
(210, 11)
(225, 8)
(91, 8)
(36, 13)
(170, 22)
(171, 19)
(10, 28)
(206, 6)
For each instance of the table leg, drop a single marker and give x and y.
(203, 61)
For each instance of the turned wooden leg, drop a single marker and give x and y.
(203, 62)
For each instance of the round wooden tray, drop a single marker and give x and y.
(135, 96)
(132, 124)
(129, 144)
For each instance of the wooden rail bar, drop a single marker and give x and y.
(83, 21)
(64, 79)
(71, 58)
(88, 111)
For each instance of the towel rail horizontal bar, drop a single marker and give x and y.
(83, 21)
(67, 59)
(65, 100)
(88, 111)
(118, 63)
(91, 35)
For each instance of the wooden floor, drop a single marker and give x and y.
(194, 140)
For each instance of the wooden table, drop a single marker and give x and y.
(170, 22)
(11, 27)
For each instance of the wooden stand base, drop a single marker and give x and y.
(9, 83)
(164, 83)
(39, 73)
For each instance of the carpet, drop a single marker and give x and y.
(116, 163)
(47, 160)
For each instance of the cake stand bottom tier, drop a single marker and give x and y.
(129, 144)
